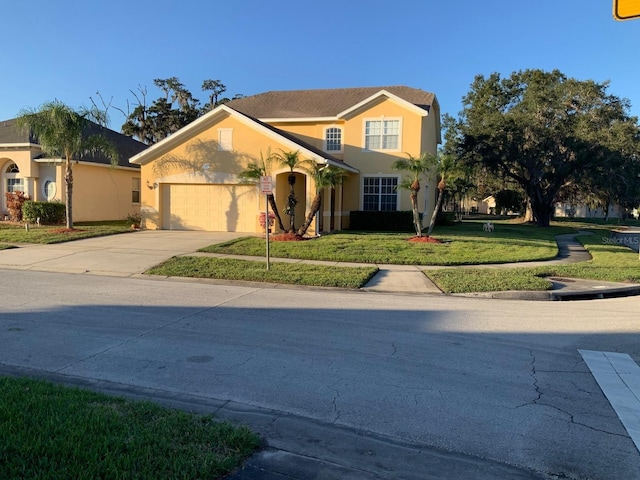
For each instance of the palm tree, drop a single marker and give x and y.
(293, 161)
(254, 171)
(324, 176)
(416, 168)
(62, 131)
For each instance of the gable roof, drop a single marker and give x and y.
(323, 103)
(206, 121)
(11, 135)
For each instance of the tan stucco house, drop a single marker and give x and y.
(100, 191)
(191, 180)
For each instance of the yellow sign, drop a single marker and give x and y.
(626, 9)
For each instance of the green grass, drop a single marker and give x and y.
(464, 244)
(610, 262)
(57, 433)
(4, 246)
(15, 234)
(256, 271)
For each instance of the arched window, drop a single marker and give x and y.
(12, 182)
(333, 139)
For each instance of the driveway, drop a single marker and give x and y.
(115, 255)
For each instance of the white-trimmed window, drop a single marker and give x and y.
(49, 189)
(382, 134)
(12, 182)
(380, 193)
(225, 139)
(135, 190)
(333, 139)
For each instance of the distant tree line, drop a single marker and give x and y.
(175, 108)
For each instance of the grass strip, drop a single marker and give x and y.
(610, 262)
(256, 271)
(48, 234)
(57, 433)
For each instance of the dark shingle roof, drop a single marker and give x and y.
(127, 146)
(10, 133)
(321, 103)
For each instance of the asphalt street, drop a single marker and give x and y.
(491, 384)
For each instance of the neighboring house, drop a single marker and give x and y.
(191, 179)
(581, 210)
(100, 190)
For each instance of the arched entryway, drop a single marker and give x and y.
(283, 189)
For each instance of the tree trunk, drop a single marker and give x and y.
(416, 214)
(436, 210)
(542, 212)
(291, 202)
(274, 208)
(68, 178)
(315, 208)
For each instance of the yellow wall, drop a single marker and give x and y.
(101, 192)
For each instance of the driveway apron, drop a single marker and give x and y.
(114, 255)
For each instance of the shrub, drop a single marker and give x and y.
(15, 200)
(445, 219)
(381, 221)
(50, 213)
(134, 218)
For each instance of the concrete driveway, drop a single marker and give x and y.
(116, 255)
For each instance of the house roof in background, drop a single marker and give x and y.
(321, 103)
(127, 146)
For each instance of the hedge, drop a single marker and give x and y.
(49, 213)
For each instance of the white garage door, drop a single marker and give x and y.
(230, 208)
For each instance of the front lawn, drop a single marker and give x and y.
(612, 263)
(463, 244)
(256, 271)
(57, 433)
(14, 234)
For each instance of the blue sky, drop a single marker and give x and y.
(69, 49)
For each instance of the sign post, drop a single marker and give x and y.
(266, 189)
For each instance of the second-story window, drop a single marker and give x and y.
(382, 134)
(225, 139)
(333, 139)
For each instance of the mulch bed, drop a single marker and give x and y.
(424, 239)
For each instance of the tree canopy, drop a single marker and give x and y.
(174, 109)
(548, 133)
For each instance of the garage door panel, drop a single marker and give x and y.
(210, 207)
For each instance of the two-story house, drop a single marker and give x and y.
(191, 180)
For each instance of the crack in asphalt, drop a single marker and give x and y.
(537, 401)
(336, 410)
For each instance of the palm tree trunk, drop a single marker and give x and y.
(68, 178)
(315, 207)
(274, 208)
(416, 214)
(436, 210)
